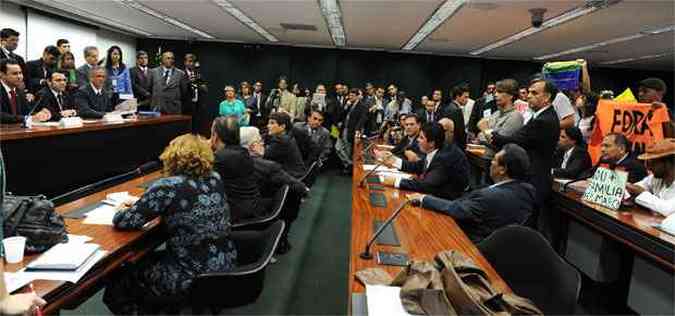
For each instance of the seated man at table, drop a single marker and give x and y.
(571, 158)
(615, 151)
(93, 100)
(13, 103)
(319, 134)
(281, 147)
(657, 191)
(54, 98)
(236, 169)
(444, 171)
(408, 147)
(511, 200)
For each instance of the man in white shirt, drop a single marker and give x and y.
(566, 113)
(657, 190)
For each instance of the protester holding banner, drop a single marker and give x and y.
(651, 90)
(657, 190)
(616, 153)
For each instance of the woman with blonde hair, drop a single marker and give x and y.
(192, 204)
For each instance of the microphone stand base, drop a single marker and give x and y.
(366, 256)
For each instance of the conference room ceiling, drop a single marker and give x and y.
(390, 24)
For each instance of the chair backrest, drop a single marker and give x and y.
(256, 248)
(530, 266)
(277, 205)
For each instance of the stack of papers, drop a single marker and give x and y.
(384, 301)
(65, 257)
(103, 215)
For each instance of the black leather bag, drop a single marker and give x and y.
(33, 217)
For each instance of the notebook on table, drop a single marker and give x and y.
(64, 257)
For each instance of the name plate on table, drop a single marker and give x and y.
(606, 188)
(74, 121)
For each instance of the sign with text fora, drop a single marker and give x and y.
(606, 188)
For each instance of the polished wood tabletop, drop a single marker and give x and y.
(10, 132)
(422, 233)
(122, 246)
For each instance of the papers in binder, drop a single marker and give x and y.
(384, 301)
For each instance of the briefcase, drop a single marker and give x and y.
(33, 217)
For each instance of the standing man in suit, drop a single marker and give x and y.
(571, 158)
(615, 150)
(54, 98)
(444, 171)
(355, 120)
(511, 200)
(40, 69)
(429, 113)
(169, 86)
(453, 111)
(281, 147)
(91, 61)
(319, 134)
(92, 99)
(140, 80)
(9, 41)
(13, 103)
(197, 90)
(260, 111)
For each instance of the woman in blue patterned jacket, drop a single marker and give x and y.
(193, 207)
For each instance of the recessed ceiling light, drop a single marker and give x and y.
(444, 12)
(330, 9)
(245, 19)
(626, 60)
(161, 16)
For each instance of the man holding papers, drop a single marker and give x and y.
(657, 190)
(444, 172)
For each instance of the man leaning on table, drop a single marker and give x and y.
(657, 190)
(511, 200)
(92, 99)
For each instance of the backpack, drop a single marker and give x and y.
(33, 217)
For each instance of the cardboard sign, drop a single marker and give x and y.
(606, 188)
(639, 122)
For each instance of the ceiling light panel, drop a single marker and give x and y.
(332, 13)
(228, 7)
(149, 11)
(445, 11)
(626, 60)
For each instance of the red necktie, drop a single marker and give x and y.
(12, 101)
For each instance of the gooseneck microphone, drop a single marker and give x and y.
(366, 255)
(363, 179)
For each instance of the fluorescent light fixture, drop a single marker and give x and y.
(245, 19)
(99, 19)
(445, 11)
(590, 7)
(626, 60)
(135, 5)
(607, 42)
(330, 9)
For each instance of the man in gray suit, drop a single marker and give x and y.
(91, 59)
(169, 86)
(319, 134)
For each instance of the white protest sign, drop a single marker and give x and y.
(606, 188)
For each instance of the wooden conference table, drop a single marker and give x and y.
(422, 233)
(52, 160)
(122, 246)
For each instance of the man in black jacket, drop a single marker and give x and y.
(444, 171)
(9, 41)
(13, 103)
(355, 120)
(571, 158)
(37, 71)
(511, 200)
(139, 80)
(453, 111)
(260, 113)
(281, 147)
(92, 99)
(54, 98)
(615, 150)
(409, 142)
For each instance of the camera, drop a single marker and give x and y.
(537, 16)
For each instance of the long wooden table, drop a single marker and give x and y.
(53, 161)
(422, 233)
(122, 246)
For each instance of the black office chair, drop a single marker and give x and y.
(312, 173)
(239, 286)
(528, 264)
(277, 205)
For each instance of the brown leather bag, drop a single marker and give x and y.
(450, 285)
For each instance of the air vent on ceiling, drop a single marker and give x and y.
(298, 27)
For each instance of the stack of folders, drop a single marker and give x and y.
(64, 257)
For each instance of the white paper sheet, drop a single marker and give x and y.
(384, 301)
(79, 239)
(16, 280)
(69, 276)
(102, 215)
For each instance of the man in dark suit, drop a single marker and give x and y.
(615, 150)
(453, 111)
(571, 158)
(356, 115)
(37, 71)
(13, 103)
(483, 107)
(260, 113)
(319, 134)
(92, 99)
(196, 94)
(511, 200)
(444, 171)
(281, 147)
(430, 113)
(54, 98)
(9, 41)
(91, 61)
(412, 125)
(139, 80)
(169, 86)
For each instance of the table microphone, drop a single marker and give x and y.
(27, 117)
(363, 180)
(366, 255)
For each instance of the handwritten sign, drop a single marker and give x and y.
(606, 188)
(639, 122)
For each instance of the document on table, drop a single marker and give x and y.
(16, 280)
(384, 301)
(69, 276)
(368, 167)
(102, 215)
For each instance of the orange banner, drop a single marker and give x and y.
(641, 124)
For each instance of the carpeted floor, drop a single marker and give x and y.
(312, 278)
